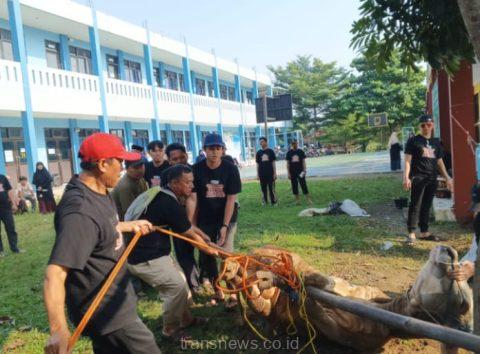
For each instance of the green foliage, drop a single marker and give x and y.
(338, 101)
(313, 84)
(430, 30)
(374, 146)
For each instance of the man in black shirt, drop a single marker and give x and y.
(217, 183)
(297, 171)
(184, 251)
(151, 260)
(88, 244)
(423, 160)
(155, 168)
(266, 171)
(7, 208)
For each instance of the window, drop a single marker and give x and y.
(112, 67)
(163, 136)
(171, 80)
(52, 53)
(210, 89)
(188, 141)
(177, 136)
(156, 76)
(119, 133)
(133, 71)
(81, 60)
(200, 87)
(181, 82)
(231, 93)
(83, 133)
(223, 92)
(140, 137)
(250, 97)
(6, 50)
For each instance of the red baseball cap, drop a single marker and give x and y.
(105, 146)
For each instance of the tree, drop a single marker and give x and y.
(313, 85)
(395, 91)
(470, 10)
(430, 30)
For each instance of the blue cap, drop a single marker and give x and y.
(213, 140)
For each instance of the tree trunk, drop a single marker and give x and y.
(470, 10)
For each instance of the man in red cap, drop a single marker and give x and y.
(88, 244)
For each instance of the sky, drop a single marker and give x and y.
(257, 32)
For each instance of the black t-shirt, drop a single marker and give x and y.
(425, 154)
(295, 157)
(212, 187)
(153, 174)
(4, 188)
(265, 159)
(88, 244)
(164, 210)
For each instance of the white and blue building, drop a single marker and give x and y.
(67, 71)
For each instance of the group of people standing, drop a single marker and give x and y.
(265, 159)
(13, 200)
(198, 202)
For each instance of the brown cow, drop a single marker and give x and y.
(433, 297)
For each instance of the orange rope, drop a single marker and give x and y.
(281, 265)
(101, 294)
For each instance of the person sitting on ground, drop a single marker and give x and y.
(130, 186)
(43, 180)
(154, 168)
(151, 259)
(24, 192)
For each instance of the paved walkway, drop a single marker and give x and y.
(335, 165)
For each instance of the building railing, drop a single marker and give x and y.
(62, 92)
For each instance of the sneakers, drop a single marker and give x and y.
(19, 251)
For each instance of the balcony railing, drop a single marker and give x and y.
(11, 86)
(61, 93)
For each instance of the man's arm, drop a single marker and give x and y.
(13, 200)
(288, 170)
(407, 183)
(134, 226)
(191, 206)
(194, 235)
(54, 298)
(444, 173)
(227, 217)
(274, 164)
(304, 164)
(258, 170)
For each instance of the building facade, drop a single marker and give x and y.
(453, 102)
(67, 71)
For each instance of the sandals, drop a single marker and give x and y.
(410, 241)
(430, 237)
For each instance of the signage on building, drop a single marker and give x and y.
(377, 120)
(279, 108)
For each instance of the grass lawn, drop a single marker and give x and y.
(339, 245)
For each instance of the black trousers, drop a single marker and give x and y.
(268, 184)
(421, 198)
(184, 252)
(208, 264)
(295, 180)
(134, 338)
(6, 217)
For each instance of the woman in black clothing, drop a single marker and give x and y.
(395, 148)
(42, 180)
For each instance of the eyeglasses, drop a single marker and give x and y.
(428, 125)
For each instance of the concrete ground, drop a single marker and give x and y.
(334, 165)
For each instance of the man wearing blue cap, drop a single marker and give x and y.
(130, 186)
(423, 161)
(217, 183)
